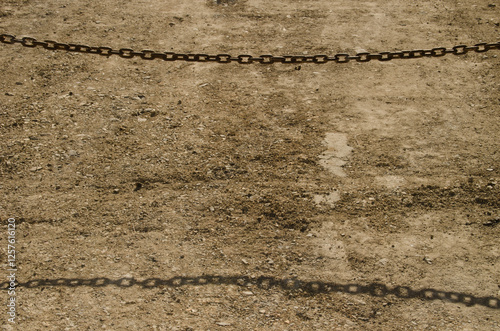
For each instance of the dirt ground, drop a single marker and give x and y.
(153, 195)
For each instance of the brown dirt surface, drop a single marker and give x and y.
(153, 195)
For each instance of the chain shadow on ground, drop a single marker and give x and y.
(308, 287)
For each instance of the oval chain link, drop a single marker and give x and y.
(248, 59)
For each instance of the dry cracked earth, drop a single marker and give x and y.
(154, 195)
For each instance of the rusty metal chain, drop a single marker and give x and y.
(248, 59)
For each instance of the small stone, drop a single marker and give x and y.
(247, 293)
(35, 169)
(383, 261)
(244, 261)
(361, 302)
(141, 119)
(262, 311)
(426, 259)
(9, 94)
(223, 323)
(492, 222)
(116, 191)
(72, 152)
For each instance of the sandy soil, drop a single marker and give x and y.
(201, 196)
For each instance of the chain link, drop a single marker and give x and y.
(248, 59)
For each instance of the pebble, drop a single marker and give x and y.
(492, 222)
(383, 261)
(247, 293)
(223, 323)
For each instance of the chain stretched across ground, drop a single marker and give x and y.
(248, 59)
